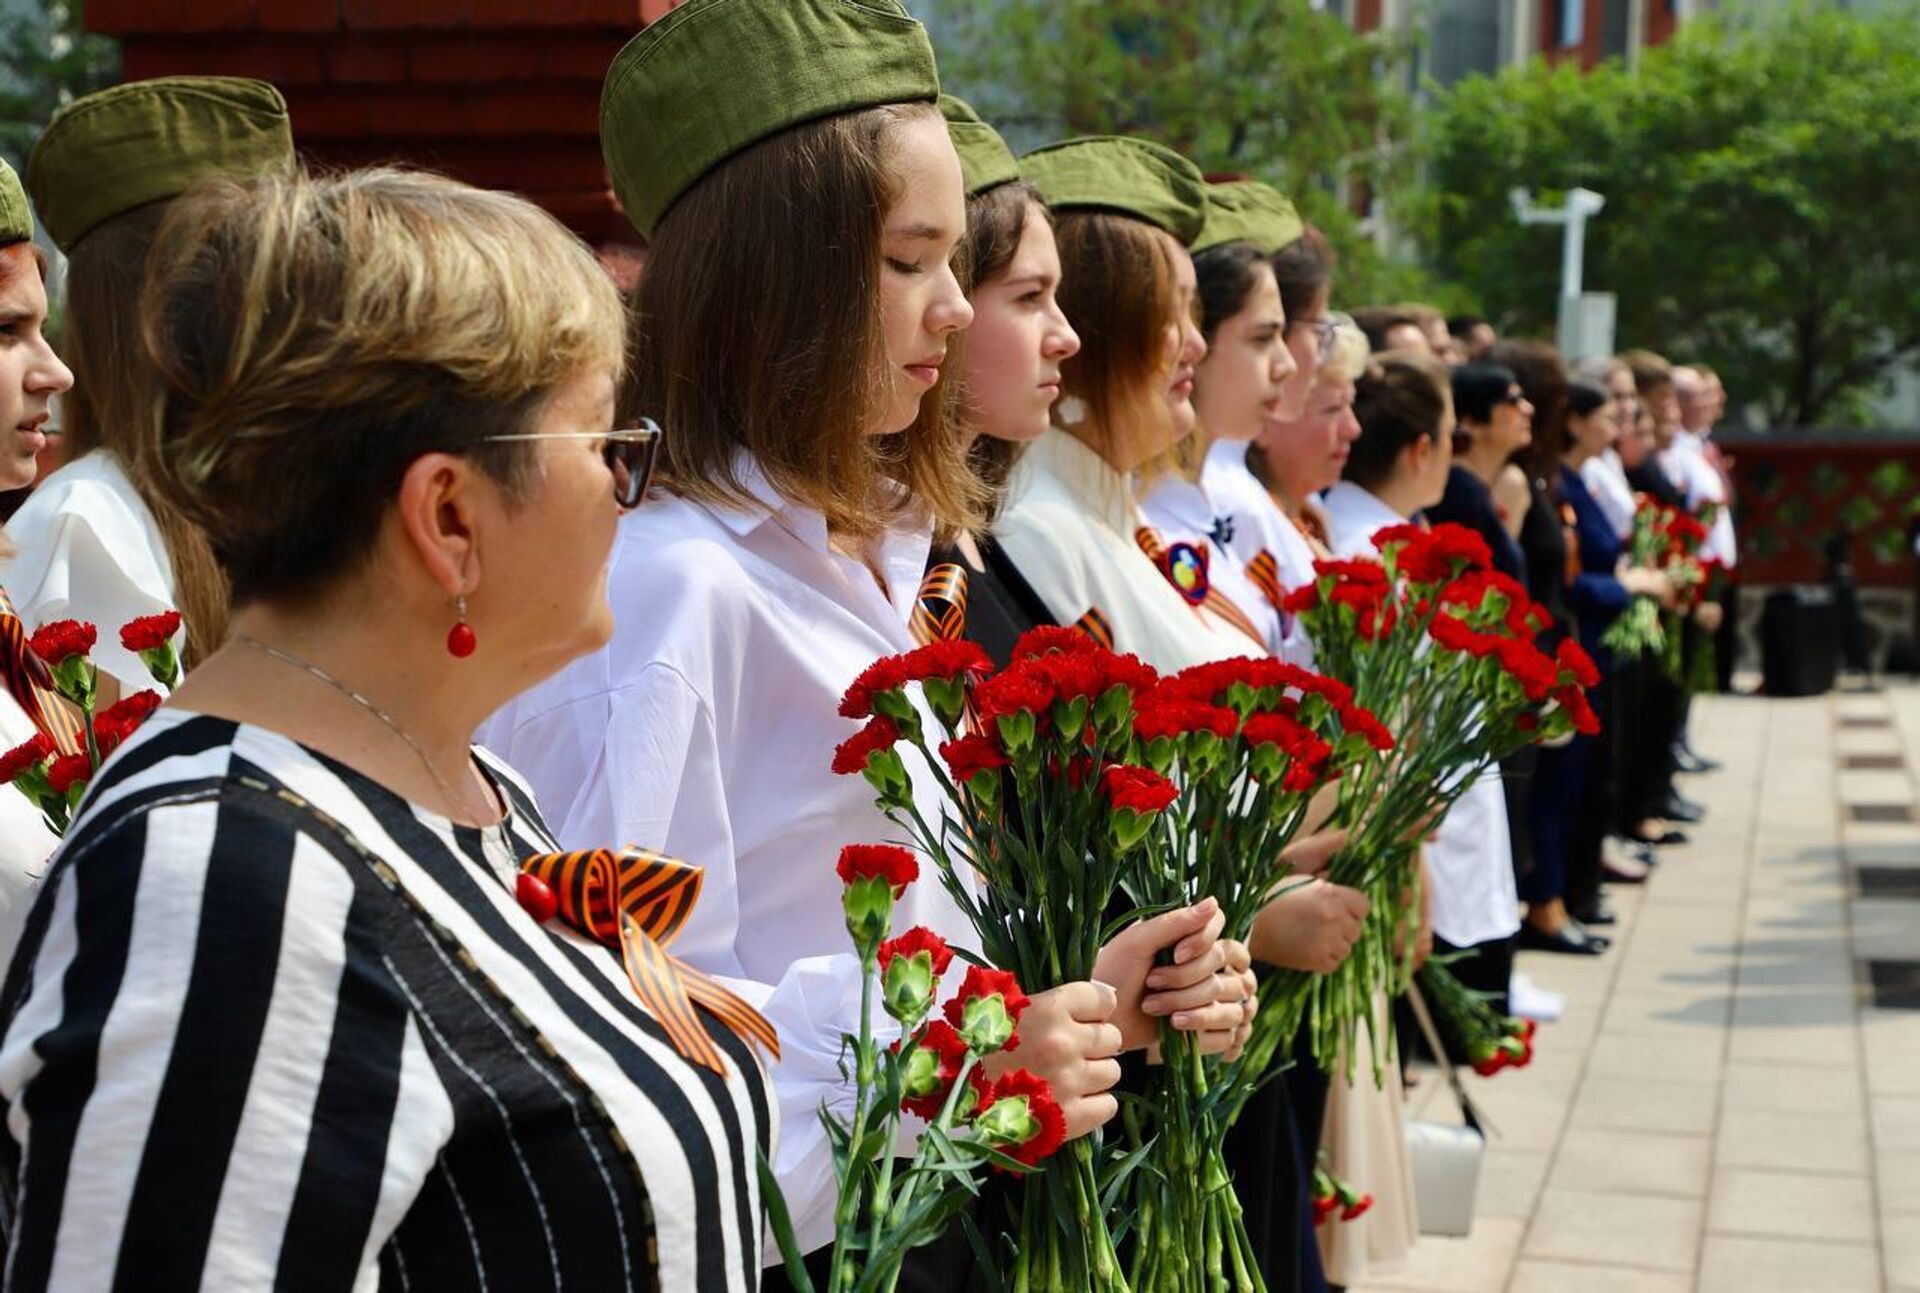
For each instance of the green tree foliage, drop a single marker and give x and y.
(1755, 170)
(47, 60)
(1275, 89)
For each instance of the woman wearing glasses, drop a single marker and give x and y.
(279, 1017)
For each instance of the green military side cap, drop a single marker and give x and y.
(16, 217)
(715, 76)
(985, 159)
(138, 143)
(1134, 177)
(1251, 212)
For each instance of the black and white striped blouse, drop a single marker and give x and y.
(271, 1026)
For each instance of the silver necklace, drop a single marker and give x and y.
(392, 724)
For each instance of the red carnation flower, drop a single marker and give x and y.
(1455, 542)
(30, 754)
(150, 632)
(1356, 718)
(1303, 600)
(865, 861)
(1048, 639)
(1571, 656)
(1013, 691)
(918, 939)
(67, 770)
(949, 1051)
(1452, 632)
(1051, 1120)
(130, 711)
(968, 755)
(948, 658)
(1129, 671)
(1172, 719)
(1358, 570)
(850, 757)
(1140, 790)
(1070, 677)
(1357, 1208)
(1530, 667)
(989, 1029)
(62, 639)
(1574, 701)
(884, 675)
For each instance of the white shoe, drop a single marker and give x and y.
(1528, 1000)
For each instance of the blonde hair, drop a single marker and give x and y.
(313, 336)
(1347, 357)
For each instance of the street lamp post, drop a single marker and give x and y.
(1578, 333)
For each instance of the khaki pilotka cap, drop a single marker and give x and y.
(716, 76)
(1131, 177)
(985, 160)
(16, 217)
(1250, 212)
(144, 141)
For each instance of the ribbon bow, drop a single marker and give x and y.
(1222, 531)
(26, 676)
(637, 900)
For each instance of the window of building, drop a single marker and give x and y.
(1573, 23)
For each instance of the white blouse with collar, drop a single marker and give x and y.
(1185, 511)
(706, 729)
(1470, 857)
(1261, 528)
(1068, 526)
(86, 548)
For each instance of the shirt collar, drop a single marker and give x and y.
(901, 549)
(1104, 492)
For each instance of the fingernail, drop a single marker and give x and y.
(1153, 1007)
(1156, 981)
(1183, 1020)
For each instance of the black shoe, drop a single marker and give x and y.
(1569, 939)
(1681, 809)
(1685, 760)
(1600, 941)
(1597, 914)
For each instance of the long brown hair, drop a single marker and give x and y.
(1117, 290)
(114, 396)
(757, 329)
(1399, 400)
(1542, 375)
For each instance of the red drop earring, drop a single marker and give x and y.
(460, 639)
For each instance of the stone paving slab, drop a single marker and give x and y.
(1723, 1108)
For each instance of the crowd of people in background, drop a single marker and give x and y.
(279, 1010)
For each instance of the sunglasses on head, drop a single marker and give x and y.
(629, 452)
(1512, 397)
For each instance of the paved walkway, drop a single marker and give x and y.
(1725, 1107)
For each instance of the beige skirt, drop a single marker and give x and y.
(1365, 1141)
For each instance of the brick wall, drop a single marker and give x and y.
(500, 93)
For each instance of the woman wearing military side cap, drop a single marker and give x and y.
(1246, 380)
(1009, 379)
(91, 546)
(30, 376)
(792, 326)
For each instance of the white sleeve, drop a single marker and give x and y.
(89, 559)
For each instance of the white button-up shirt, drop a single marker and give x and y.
(1259, 526)
(1606, 479)
(1068, 526)
(1470, 857)
(1685, 461)
(1185, 511)
(706, 729)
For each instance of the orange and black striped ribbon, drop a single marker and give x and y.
(637, 900)
(940, 611)
(1263, 572)
(29, 681)
(1216, 601)
(1094, 624)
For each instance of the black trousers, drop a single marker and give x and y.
(1647, 709)
(1599, 799)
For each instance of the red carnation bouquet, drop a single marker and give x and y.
(1469, 1024)
(1334, 1198)
(1249, 742)
(1667, 539)
(1045, 812)
(1442, 649)
(53, 769)
(886, 1207)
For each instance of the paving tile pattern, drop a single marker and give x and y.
(1724, 1107)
